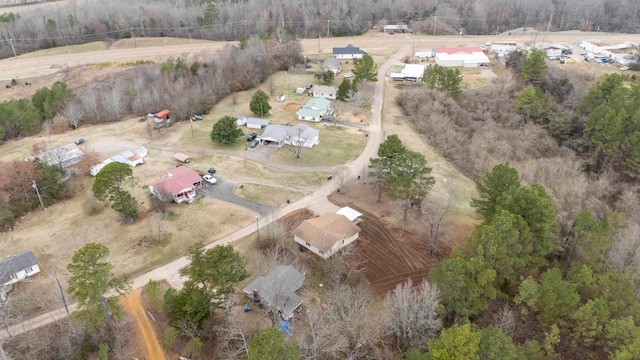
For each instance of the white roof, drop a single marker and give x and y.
(397, 75)
(479, 57)
(349, 213)
(413, 70)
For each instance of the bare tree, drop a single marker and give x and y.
(342, 175)
(411, 314)
(357, 324)
(73, 113)
(506, 319)
(294, 141)
(317, 342)
(435, 210)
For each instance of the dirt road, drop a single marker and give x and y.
(145, 333)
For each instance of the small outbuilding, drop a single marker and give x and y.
(277, 290)
(326, 234)
(182, 158)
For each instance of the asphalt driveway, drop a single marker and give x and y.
(223, 190)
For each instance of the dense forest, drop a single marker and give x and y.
(554, 266)
(78, 21)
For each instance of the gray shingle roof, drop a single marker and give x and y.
(347, 50)
(16, 263)
(277, 289)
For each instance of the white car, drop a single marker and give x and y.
(348, 75)
(624, 68)
(210, 179)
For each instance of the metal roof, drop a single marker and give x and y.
(348, 50)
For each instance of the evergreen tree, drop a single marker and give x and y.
(259, 103)
(534, 68)
(225, 130)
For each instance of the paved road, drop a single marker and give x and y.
(223, 190)
(169, 272)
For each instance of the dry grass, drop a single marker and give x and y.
(268, 195)
(70, 49)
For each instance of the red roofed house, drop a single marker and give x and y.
(326, 234)
(182, 183)
(461, 57)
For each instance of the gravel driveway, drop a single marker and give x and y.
(223, 190)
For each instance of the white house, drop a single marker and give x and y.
(332, 64)
(277, 290)
(348, 52)
(62, 156)
(327, 92)
(326, 234)
(300, 134)
(413, 72)
(16, 268)
(461, 57)
(133, 158)
(181, 183)
(315, 110)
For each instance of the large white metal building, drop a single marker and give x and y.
(461, 57)
(615, 51)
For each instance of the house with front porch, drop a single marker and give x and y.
(181, 184)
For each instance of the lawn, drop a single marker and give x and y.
(154, 41)
(338, 145)
(267, 195)
(70, 49)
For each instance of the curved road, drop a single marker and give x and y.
(170, 271)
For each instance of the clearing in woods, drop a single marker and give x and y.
(144, 330)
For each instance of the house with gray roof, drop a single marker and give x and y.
(295, 135)
(16, 268)
(332, 64)
(276, 290)
(327, 92)
(348, 52)
(315, 110)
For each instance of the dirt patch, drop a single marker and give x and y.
(147, 338)
(388, 255)
(292, 107)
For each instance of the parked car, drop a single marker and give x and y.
(254, 143)
(210, 179)
(79, 141)
(211, 171)
(252, 136)
(624, 68)
(348, 75)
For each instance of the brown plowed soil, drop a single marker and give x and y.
(387, 258)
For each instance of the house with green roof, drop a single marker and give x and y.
(315, 110)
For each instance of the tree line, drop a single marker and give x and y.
(25, 117)
(81, 22)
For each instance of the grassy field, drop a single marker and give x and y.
(338, 145)
(267, 195)
(70, 49)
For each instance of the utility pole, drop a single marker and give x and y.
(35, 186)
(318, 47)
(134, 38)
(435, 25)
(12, 48)
(548, 27)
(328, 27)
(283, 16)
